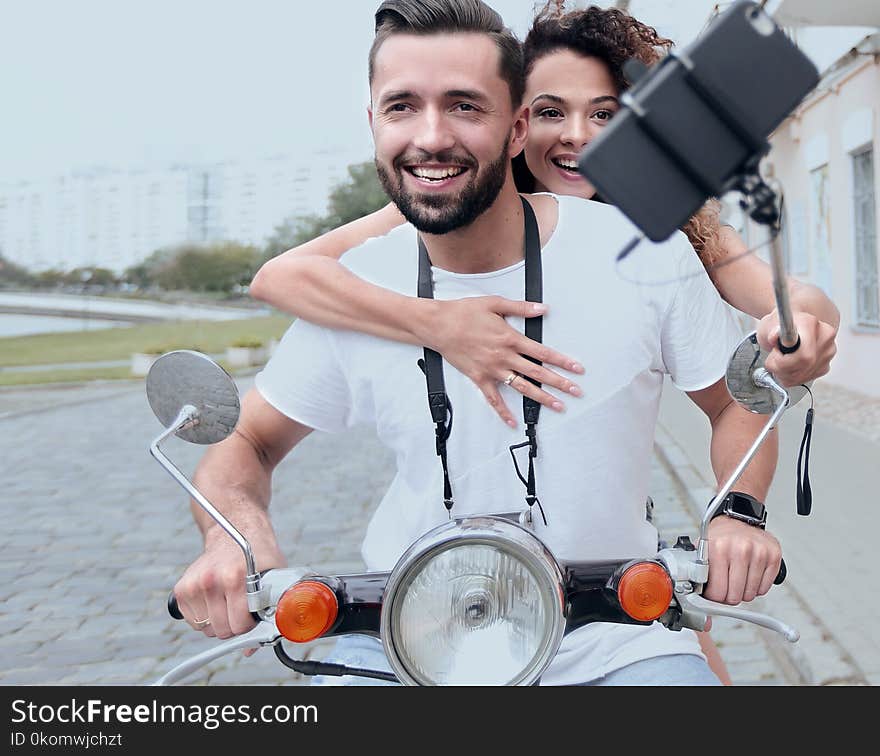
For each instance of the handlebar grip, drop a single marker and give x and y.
(789, 349)
(174, 609)
(783, 571)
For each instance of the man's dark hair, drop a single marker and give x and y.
(439, 16)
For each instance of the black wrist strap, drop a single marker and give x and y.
(804, 491)
(432, 364)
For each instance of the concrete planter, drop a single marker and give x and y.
(245, 356)
(141, 362)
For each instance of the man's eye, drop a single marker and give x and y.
(397, 107)
(466, 107)
(550, 113)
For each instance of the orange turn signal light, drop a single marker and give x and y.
(644, 591)
(306, 611)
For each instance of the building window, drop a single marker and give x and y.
(820, 226)
(865, 223)
(794, 237)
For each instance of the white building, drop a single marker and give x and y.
(106, 219)
(825, 155)
(116, 219)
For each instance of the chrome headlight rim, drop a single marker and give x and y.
(483, 530)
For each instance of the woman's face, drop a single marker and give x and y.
(571, 98)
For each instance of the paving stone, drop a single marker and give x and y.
(9, 624)
(130, 672)
(19, 603)
(80, 651)
(252, 674)
(744, 652)
(15, 645)
(849, 409)
(756, 672)
(31, 676)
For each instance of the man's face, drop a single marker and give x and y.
(443, 125)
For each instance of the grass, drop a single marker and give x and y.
(76, 375)
(207, 336)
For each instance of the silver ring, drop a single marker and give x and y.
(201, 623)
(511, 378)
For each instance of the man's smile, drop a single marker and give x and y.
(435, 175)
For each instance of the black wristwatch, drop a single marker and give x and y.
(743, 507)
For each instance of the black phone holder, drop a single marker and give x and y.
(696, 125)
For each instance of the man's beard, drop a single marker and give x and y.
(440, 214)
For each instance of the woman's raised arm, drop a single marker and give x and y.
(472, 334)
(746, 282)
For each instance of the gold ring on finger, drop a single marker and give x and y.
(201, 623)
(511, 378)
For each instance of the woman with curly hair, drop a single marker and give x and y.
(574, 79)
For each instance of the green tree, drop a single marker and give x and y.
(217, 267)
(91, 275)
(145, 274)
(12, 274)
(50, 279)
(359, 195)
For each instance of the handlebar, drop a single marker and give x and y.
(783, 571)
(174, 609)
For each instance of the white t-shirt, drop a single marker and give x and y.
(594, 460)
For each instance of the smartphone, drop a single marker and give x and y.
(697, 120)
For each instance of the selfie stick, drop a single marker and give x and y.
(763, 203)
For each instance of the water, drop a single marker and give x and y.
(22, 325)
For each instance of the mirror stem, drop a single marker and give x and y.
(187, 417)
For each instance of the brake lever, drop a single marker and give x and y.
(697, 603)
(264, 634)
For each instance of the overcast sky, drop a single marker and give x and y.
(121, 83)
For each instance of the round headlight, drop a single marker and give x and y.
(474, 602)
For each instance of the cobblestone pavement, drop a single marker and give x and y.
(95, 533)
(849, 409)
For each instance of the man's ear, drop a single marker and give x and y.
(370, 115)
(519, 132)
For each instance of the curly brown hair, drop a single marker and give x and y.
(609, 34)
(612, 36)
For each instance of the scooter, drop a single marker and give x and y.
(477, 600)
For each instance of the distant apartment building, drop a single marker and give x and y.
(115, 219)
(106, 219)
(246, 201)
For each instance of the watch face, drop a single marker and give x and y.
(745, 508)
